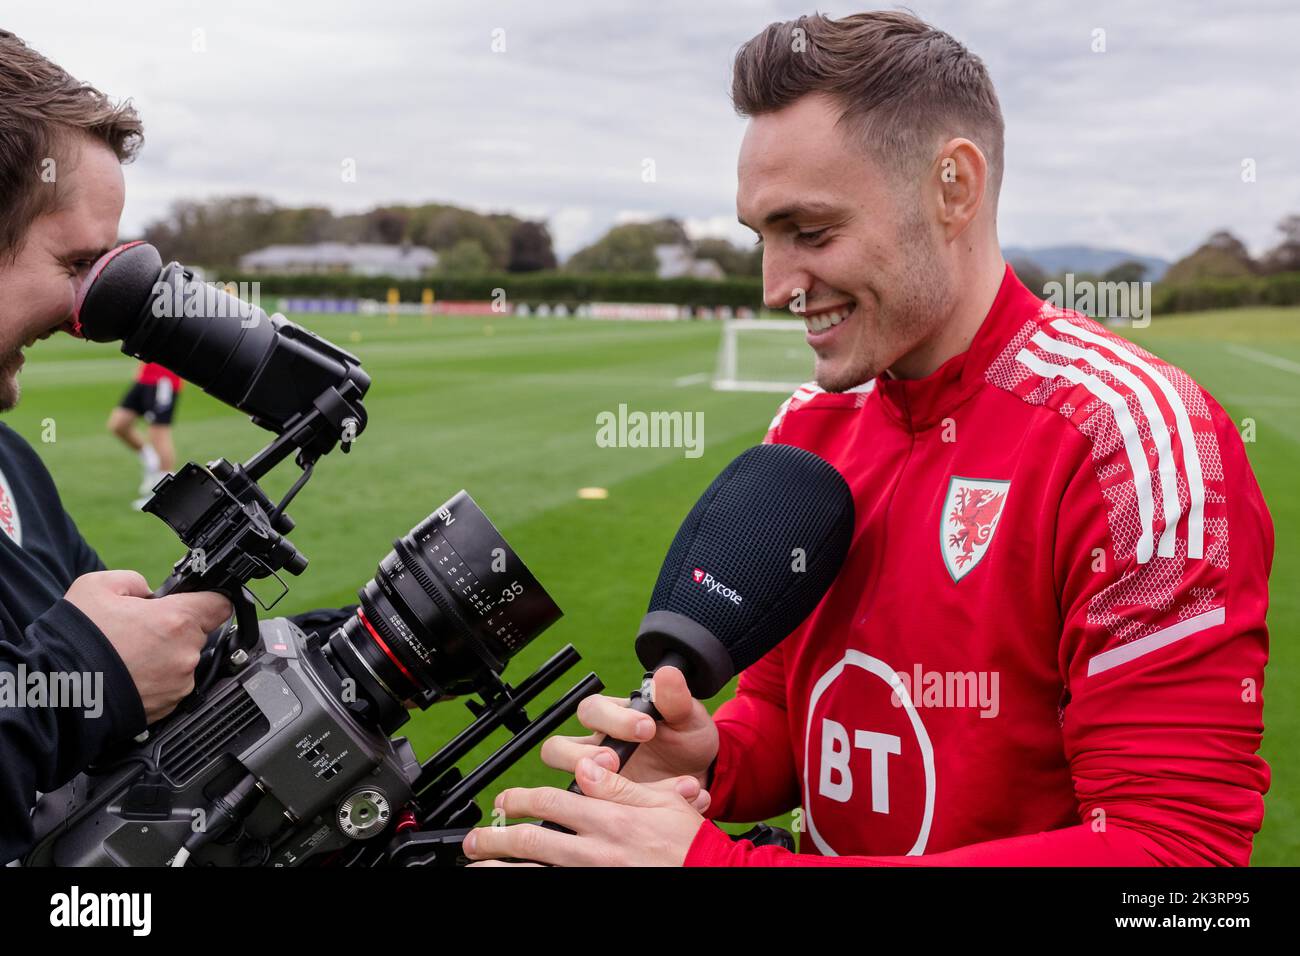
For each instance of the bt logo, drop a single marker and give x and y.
(850, 772)
(836, 779)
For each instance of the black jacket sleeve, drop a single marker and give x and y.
(85, 558)
(42, 747)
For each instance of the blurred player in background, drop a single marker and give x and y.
(153, 397)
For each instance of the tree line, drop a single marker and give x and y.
(214, 233)
(1221, 257)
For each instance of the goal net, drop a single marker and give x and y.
(762, 355)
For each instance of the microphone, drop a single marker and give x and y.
(752, 559)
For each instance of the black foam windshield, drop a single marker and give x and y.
(759, 549)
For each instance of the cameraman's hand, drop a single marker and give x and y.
(684, 743)
(159, 640)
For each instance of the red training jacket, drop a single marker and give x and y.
(151, 373)
(1044, 647)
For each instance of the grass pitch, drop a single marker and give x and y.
(507, 409)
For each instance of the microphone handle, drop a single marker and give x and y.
(624, 749)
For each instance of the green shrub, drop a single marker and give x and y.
(1204, 294)
(530, 288)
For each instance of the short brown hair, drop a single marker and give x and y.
(41, 105)
(902, 83)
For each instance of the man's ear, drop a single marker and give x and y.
(962, 174)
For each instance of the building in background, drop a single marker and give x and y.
(347, 258)
(675, 260)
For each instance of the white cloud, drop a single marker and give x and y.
(1138, 147)
(718, 227)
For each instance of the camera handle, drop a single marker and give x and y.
(233, 532)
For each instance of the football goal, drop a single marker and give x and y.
(762, 355)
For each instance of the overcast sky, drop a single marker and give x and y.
(1138, 147)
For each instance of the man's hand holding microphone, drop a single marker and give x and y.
(753, 558)
(675, 752)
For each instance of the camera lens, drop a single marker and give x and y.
(449, 604)
(262, 364)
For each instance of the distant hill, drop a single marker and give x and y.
(1057, 259)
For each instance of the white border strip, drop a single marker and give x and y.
(1153, 642)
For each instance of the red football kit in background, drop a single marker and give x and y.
(151, 373)
(1047, 643)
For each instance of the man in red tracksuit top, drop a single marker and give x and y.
(1040, 629)
(1047, 643)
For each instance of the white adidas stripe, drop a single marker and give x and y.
(1186, 436)
(804, 392)
(1137, 457)
(1156, 420)
(1153, 642)
(810, 390)
(780, 414)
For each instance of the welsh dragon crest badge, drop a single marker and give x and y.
(971, 511)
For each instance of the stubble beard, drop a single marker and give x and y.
(10, 390)
(916, 310)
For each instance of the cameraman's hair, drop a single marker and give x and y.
(904, 86)
(41, 107)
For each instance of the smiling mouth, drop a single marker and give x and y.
(830, 318)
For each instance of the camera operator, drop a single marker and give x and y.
(61, 612)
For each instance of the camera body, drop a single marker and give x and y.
(283, 753)
(328, 780)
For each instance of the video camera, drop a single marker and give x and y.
(283, 755)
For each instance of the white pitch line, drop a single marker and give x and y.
(1263, 358)
(699, 378)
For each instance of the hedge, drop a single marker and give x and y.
(1199, 296)
(530, 288)
(555, 288)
